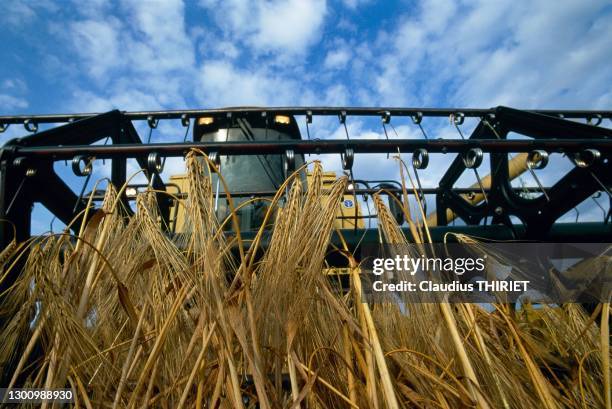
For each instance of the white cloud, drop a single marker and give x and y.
(12, 95)
(16, 13)
(289, 25)
(97, 43)
(543, 65)
(223, 84)
(14, 85)
(10, 103)
(489, 53)
(161, 35)
(152, 39)
(121, 98)
(280, 28)
(336, 95)
(354, 4)
(226, 49)
(144, 61)
(336, 59)
(234, 16)
(93, 8)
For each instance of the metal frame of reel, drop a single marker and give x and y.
(27, 175)
(537, 214)
(25, 180)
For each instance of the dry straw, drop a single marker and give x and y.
(129, 317)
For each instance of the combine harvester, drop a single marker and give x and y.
(206, 291)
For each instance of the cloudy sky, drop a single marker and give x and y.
(63, 56)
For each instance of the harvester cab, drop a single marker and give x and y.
(253, 180)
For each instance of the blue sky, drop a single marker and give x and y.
(65, 56)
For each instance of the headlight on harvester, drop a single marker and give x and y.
(206, 120)
(282, 119)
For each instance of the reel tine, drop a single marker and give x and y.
(216, 159)
(308, 122)
(348, 159)
(577, 214)
(472, 159)
(186, 122)
(289, 162)
(385, 119)
(538, 159)
(155, 166)
(586, 159)
(420, 160)
(458, 119)
(595, 197)
(288, 166)
(342, 118)
(82, 166)
(20, 162)
(152, 122)
(481, 186)
(417, 119)
(30, 125)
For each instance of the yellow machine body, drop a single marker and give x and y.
(348, 211)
